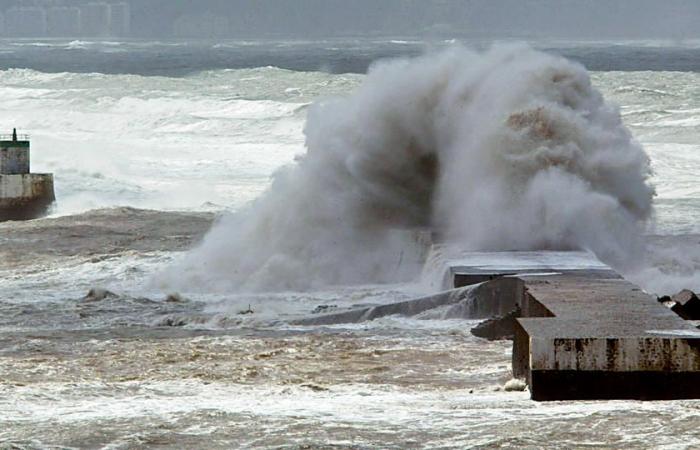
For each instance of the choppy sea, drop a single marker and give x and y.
(150, 141)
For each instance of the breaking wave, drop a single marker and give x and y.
(510, 149)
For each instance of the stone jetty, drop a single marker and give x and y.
(582, 332)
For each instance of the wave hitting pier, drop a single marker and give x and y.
(23, 195)
(583, 332)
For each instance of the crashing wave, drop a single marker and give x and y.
(511, 149)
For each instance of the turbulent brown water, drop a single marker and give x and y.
(137, 367)
(136, 370)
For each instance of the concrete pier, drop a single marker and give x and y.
(23, 195)
(584, 333)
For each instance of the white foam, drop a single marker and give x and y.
(159, 142)
(451, 418)
(511, 149)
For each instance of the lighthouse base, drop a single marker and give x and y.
(25, 196)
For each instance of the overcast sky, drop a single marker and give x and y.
(675, 19)
(575, 19)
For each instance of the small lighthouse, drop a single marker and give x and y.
(23, 195)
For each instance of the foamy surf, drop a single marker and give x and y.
(510, 149)
(214, 364)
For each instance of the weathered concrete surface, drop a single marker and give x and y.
(605, 326)
(586, 333)
(459, 268)
(25, 196)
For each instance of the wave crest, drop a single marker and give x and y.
(511, 149)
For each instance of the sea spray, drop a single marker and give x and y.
(510, 149)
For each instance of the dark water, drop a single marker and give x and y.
(179, 58)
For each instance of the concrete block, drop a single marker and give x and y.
(687, 305)
(499, 328)
(25, 196)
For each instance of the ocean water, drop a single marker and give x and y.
(188, 131)
(209, 138)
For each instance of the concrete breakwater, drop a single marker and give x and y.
(23, 195)
(583, 331)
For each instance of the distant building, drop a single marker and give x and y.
(95, 19)
(26, 22)
(63, 21)
(119, 19)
